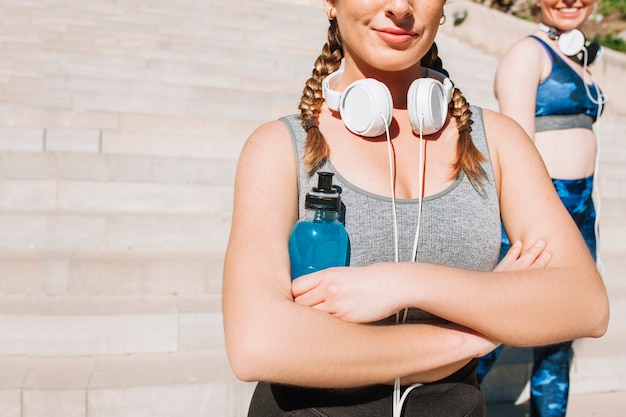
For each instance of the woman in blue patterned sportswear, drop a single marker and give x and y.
(542, 82)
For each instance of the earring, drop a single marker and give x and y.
(332, 13)
(442, 20)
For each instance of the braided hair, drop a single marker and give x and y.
(316, 152)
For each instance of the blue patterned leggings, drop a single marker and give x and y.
(549, 381)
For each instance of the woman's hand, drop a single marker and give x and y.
(354, 294)
(367, 294)
(533, 257)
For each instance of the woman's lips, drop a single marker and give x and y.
(395, 36)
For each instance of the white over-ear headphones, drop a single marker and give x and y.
(572, 43)
(366, 105)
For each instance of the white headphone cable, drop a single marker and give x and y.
(421, 176)
(392, 176)
(595, 184)
(398, 398)
(600, 100)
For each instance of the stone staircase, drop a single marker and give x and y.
(120, 127)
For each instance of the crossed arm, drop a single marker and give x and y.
(552, 292)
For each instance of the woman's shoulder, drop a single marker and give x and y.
(268, 130)
(503, 131)
(507, 141)
(526, 51)
(530, 43)
(272, 132)
(505, 135)
(491, 119)
(498, 122)
(268, 143)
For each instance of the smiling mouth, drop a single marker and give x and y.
(569, 10)
(396, 36)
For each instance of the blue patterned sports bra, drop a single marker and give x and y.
(563, 93)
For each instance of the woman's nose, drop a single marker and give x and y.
(399, 8)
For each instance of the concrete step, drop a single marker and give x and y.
(138, 59)
(109, 325)
(122, 133)
(181, 384)
(170, 59)
(106, 231)
(610, 212)
(32, 139)
(156, 98)
(84, 272)
(613, 233)
(116, 168)
(114, 197)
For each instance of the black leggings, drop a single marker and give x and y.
(456, 396)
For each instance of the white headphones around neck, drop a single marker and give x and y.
(570, 42)
(366, 105)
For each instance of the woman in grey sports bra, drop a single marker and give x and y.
(410, 154)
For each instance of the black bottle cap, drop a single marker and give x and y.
(324, 196)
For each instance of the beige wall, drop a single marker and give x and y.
(494, 32)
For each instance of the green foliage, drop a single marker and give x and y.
(608, 40)
(606, 7)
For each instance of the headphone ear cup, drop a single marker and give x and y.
(366, 107)
(427, 105)
(571, 42)
(594, 52)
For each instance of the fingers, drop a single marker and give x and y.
(511, 256)
(303, 291)
(542, 261)
(303, 284)
(531, 255)
(309, 299)
(534, 256)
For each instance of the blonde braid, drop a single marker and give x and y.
(469, 158)
(316, 150)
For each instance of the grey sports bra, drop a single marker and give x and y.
(460, 226)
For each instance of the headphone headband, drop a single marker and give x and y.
(366, 105)
(333, 97)
(553, 33)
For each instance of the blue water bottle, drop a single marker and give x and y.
(319, 240)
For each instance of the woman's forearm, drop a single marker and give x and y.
(560, 303)
(302, 346)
